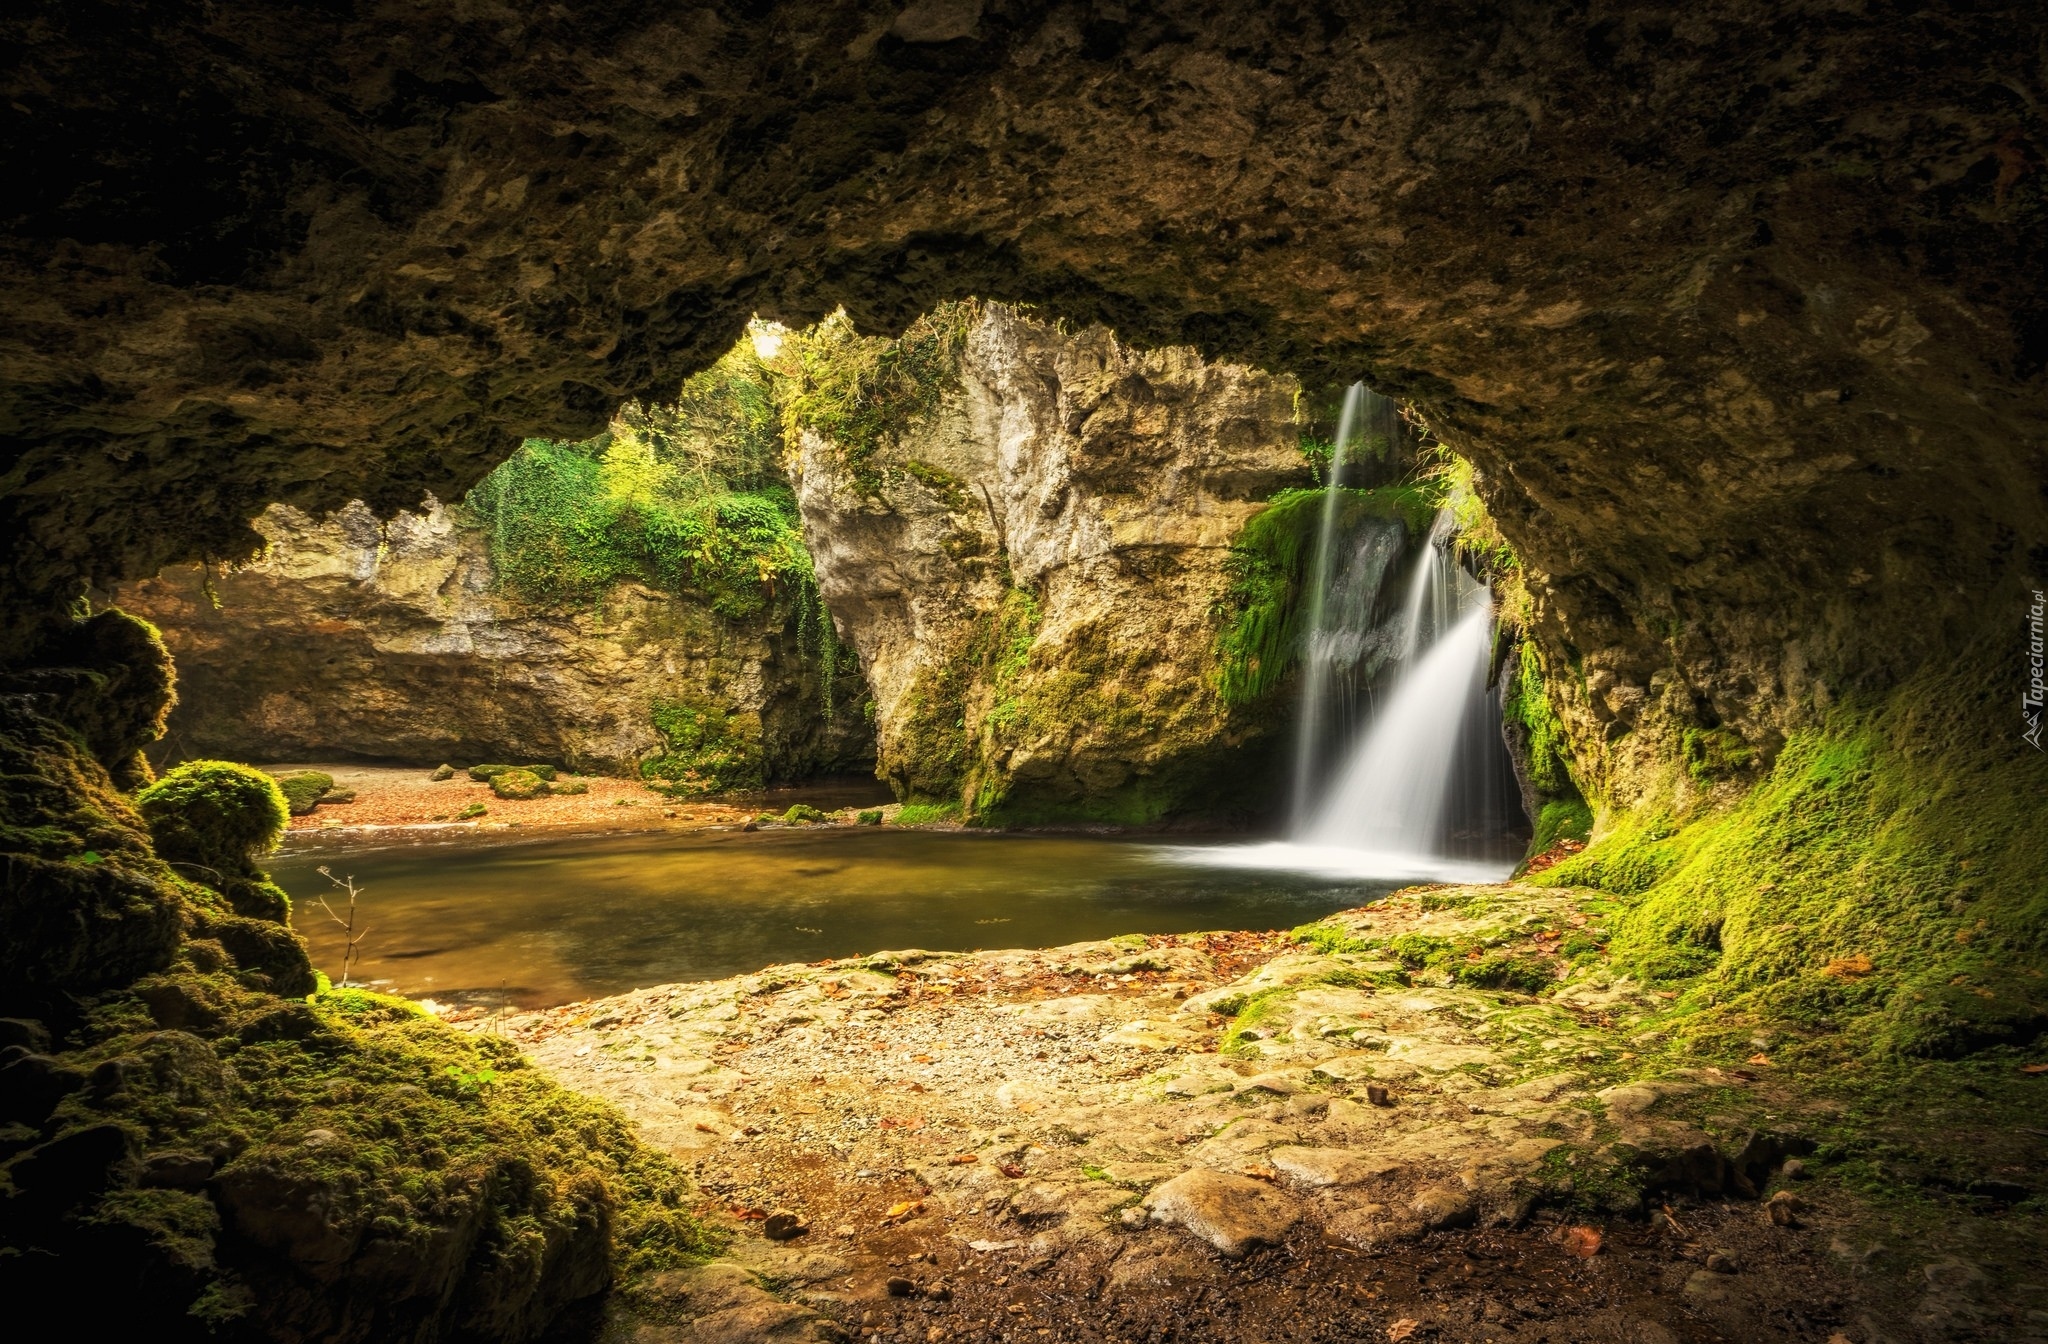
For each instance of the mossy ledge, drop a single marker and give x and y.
(204, 1139)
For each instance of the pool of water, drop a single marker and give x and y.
(550, 920)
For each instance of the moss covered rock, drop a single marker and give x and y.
(84, 902)
(518, 782)
(215, 817)
(304, 789)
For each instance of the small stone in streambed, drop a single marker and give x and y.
(1378, 1095)
(901, 1287)
(782, 1225)
(1132, 1218)
(1719, 1263)
(1783, 1209)
(1794, 1170)
(442, 772)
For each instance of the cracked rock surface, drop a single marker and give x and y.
(1015, 1133)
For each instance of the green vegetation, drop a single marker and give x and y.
(214, 816)
(924, 814)
(802, 814)
(859, 392)
(1259, 617)
(471, 811)
(303, 789)
(518, 784)
(871, 817)
(1886, 873)
(705, 749)
(1562, 819)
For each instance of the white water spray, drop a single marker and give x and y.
(1386, 811)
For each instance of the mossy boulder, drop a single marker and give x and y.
(111, 682)
(570, 787)
(871, 817)
(518, 783)
(484, 774)
(304, 789)
(802, 814)
(442, 772)
(214, 817)
(83, 902)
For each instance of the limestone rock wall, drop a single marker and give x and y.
(355, 637)
(1030, 590)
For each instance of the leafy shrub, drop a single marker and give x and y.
(859, 392)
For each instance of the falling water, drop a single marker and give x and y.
(1316, 672)
(1417, 793)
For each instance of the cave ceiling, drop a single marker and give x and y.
(1738, 306)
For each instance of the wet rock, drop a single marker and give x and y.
(176, 1171)
(900, 1287)
(1444, 1206)
(1329, 1166)
(1231, 1213)
(1783, 1209)
(782, 1225)
(1374, 1227)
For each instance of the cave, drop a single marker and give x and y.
(977, 424)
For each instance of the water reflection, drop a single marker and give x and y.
(542, 921)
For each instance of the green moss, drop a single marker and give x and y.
(484, 774)
(111, 683)
(214, 818)
(859, 393)
(518, 784)
(1547, 750)
(1887, 853)
(1502, 970)
(1331, 939)
(472, 810)
(1259, 616)
(925, 814)
(871, 817)
(1561, 819)
(1713, 754)
(303, 789)
(802, 814)
(706, 749)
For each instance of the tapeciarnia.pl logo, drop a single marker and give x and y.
(2030, 703)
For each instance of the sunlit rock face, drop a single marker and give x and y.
(389, 641)
(1030, 587)
(1741, 309)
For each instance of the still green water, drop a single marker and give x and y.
(552, 920)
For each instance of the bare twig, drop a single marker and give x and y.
(350, 933)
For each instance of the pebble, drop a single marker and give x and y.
(900, 1287)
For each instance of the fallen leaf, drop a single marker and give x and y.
(903, 1210)
(1851, 967)
(1404, 1328)
(742, 1211)
(1262, 1173)
(1583, 1242)
(2034, 1068)
(1011, 1170)
(1759, 1058)
(962, 1159)
(921, 1059)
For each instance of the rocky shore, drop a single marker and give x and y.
(1338, 1133)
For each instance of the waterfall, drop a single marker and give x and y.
(1316, 668)
(1418, 790)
